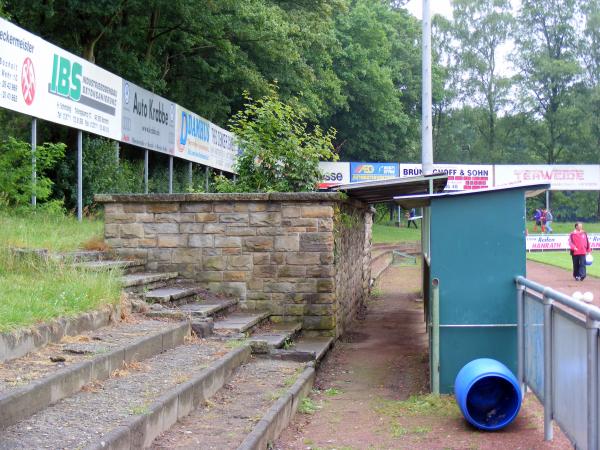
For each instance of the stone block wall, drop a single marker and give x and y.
(302, 256)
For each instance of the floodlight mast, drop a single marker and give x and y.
(426, 120)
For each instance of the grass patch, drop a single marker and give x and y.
(307, 406)
(36, 290)
(566, 227)
(563, 260)
(50, 231)
(235, 343)
(332, 392)
(385, 234)
(419, 405)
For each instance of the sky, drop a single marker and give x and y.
(437, 7)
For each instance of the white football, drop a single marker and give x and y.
(577, 295)
(588, 297)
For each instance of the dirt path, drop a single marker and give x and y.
(370, 392)
(562, 280)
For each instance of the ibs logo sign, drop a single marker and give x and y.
(28, 81)
(66, 78)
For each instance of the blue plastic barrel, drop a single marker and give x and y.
(487, 394)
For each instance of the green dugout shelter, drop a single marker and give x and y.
(473, 245)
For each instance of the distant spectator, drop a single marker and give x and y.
(411, 218)
(537, 218)
(548, 220)
(580, 246)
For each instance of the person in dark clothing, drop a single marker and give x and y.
(580, 246)
(411, 218)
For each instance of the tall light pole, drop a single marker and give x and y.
(426, 121)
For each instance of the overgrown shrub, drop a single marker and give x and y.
(16, 186)
(279, 152)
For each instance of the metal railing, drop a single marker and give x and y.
(558, 342)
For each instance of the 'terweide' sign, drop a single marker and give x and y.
(560, 177)
(47, 82)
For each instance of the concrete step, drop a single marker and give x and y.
(129, 265)
(193, 310)
(170, 293)
(276, 336)
(263, 390)
(240, 322)
(30, 383)
(317, 347)
(147, 280)
(84, 255)
(136, 404)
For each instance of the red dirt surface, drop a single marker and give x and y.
(362, 387)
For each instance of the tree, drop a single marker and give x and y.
(279, 153)
(480, 29)
(546, 56)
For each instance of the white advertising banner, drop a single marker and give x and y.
(44, 81)
(223, 148)
(148, 119)
(203, 142)
(556, 242)
(560, 177)
(334, 173)
(461, 177)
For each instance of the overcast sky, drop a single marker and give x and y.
(437, 7)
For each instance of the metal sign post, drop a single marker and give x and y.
(33, 162)
(146, 157)
(170, 174)
(79, 175)
(426, 121)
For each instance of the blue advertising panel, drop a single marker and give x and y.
(362, 171)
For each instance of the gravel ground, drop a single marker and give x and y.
(227, 418)
(100, 407)
(36, 365)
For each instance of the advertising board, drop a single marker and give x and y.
(223, 149)
(148, 119)
(366, 171)
(334, 173)
(538, 242)
(461, 177)
(560, 177)
(44, 81)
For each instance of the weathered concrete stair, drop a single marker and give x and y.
(93, 357)
(139, 282)
(240, 322)
(276, 337)
(131, 408)
(170, 294)
(131, 266)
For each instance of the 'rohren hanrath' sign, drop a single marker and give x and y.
(148, 119)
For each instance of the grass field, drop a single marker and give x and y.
(387, 234)
(49, 231)
(35, 290)
(563, 260)
(567, 227)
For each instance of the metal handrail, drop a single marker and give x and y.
(593, 312)
(592, 326)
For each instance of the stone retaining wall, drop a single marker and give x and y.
(299, 255)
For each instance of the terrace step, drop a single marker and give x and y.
(240, 322)
(263, 389)
(147, 280)
(170, 293)
(132, 407)
(32, 382)
(129, 265)
(317, 347)
(84, 255)
(275, 337)
(193, 310)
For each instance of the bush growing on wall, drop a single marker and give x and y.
(16, 185)
(279, 152)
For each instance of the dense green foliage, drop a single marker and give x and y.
(16, 185)
(352, 65)
(279, 153)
